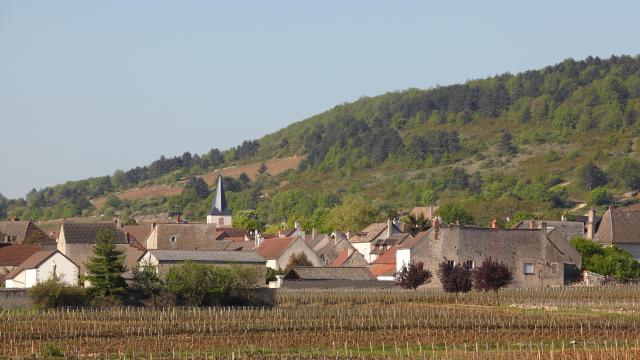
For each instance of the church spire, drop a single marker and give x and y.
(219, 206)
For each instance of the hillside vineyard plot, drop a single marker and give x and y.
(532, 324)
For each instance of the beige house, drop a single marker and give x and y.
(76, 241)
(278, 251)
(377, 238)
(18, 232)
(537, 257)
(41, 267)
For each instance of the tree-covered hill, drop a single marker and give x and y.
(536, 143)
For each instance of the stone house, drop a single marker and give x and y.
(24, 232)
(384, 267)
(76, 241)
(620, 227)
(277, 251)
(41, 267)
(537, 257)
(164, 260)
(349, 258)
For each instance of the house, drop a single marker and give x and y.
(384, 268)
(620, 227)
(40, 267)
(330, 247)
(164, 260)
(538, 257)
(76, 241)
(12, 256)
(24, 232)
(569, 229)
(220, 214)
(278, 251)
(377, 238)
(331, 278)
(349, 258)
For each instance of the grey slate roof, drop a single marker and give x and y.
(208, 256)
(329, 273)
(24, 232)
(569, 229)
(87, 233)
(219, 206)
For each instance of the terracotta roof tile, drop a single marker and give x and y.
(273, 248)
(383, 269)
(14, 255)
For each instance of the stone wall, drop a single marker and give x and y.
(14, 298)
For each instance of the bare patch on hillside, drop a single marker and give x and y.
(274, 167)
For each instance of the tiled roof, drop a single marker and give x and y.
(87, 233)
(32, 262)
(619, 226)
(25, 232)
(138, 232)
(14, 255)
(342, 258)
(273, 248)
(388, 257)
(189, 237)
(569, 229)
(225, 233)
(329, 273)
(241, 246)
(383, 269)
(207, 256)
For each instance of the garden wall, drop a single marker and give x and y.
(14, 298)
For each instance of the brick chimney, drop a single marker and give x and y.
(494, 224)
(436, 227)
(389, 227)
(591, 215)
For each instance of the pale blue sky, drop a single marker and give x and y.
(88, 87)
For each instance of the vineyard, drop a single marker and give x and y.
(564, 323)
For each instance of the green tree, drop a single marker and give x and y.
(598, 196)
(247, 220)
(609, 261)
(505, 144)
(354, 214)
(147, 283)
(626, 171)
(105, 269)
(416, 223)
(591, 176)
(198, 187)
(198, 285)
(452, 213)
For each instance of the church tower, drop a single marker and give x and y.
(220, 214)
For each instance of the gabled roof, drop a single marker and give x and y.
(373, 232)
(329, 273)
(33, 262)
(225, 233)
(14, 255)
(25, 232)
(190, 236)
(383, 269)
(273, 248)
(569, 229)
(207, 256)
(219, 206)
(241, 246)
(138, 232)
(87, 233)
(619, 226)
(347, 255)
(388, 257)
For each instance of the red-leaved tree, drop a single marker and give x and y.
(492, 276)
(454, 278)
(412, 275)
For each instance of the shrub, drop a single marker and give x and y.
(599, 196)
(492, 276)
(454, 278)
(297, 259)
(56, 293)
(413, 275)
(609, 261)
(453, 213)
(147, 286)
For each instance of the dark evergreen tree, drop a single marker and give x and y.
(105, 269)
(591, 176)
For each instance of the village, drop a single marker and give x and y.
(538, 252)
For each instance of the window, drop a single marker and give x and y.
(451, 263)
(468, 264)
(554, 269)
(528, 268)
(173, 238)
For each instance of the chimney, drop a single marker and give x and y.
(314, 233)
(118, 221)
(436, 227)
(348, 234)
(563, 217)
(258, 238)
(591, 215)
(494, 224)
(349, 250)
(543, 226)
(532, 224)
(389, 227)
(178, 219)
(297, 226)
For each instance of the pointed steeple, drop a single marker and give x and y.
(219, 206)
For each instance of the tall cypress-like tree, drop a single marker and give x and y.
(105, 269)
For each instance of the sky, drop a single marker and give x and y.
(89, 87)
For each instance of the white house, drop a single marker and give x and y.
(41, 267)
